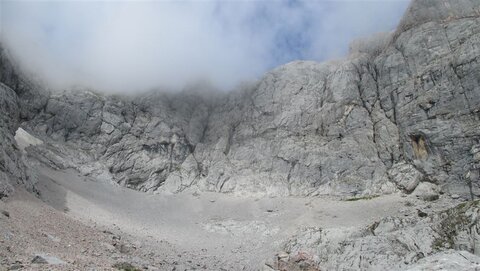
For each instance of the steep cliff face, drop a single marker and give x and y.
(11, 169)
(17, 102)
(409, 104)
(301, 131)
(403, 108)
(428, 84)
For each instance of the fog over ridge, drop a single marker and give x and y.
(129, 46)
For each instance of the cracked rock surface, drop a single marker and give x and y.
(399, 114)
(392, 243)
(403, 102)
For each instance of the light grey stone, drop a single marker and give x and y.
(406, 176)
(426, 191)
(455, 196)
(394, 243)
(46, 259)
(448, 260)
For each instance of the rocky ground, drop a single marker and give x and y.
(88, 224)
(85, 224)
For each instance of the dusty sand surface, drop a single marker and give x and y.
(202, 231)
(33, 228)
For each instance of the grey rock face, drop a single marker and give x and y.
(137, 142)
(406, 176)
(12, 169)
(9, 156)
(435, 137)
(424, 11)
(403, 108)
(449, 260)
(19, 98)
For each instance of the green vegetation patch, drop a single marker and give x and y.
(454, 221)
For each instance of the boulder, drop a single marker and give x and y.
(45, 259)
(405, 176)
(427, 191)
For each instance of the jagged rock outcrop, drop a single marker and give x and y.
(393, 243)
(428, 80)
(402, 109)
(15, 104)
(11, 169)
(345, 127)
(137, 141)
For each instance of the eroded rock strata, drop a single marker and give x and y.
(401, 109)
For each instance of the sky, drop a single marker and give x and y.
(130, 46)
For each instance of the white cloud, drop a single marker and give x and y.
(131, 46)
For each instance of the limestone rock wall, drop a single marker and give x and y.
(402, 109)
(428, 86)
(12, 167)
